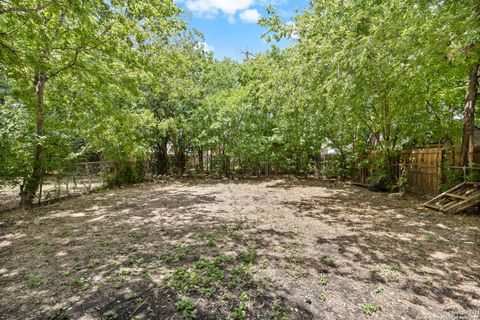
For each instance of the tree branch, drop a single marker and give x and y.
(71, 64)
(23, 10)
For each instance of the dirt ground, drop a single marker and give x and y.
(276, 249)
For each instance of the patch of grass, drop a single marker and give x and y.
(33, 280)
(60, 313)
(378, 288)
(211, 240)
(428, 280)
(249, 256)
(328, 261)
(72, 241)
(148, 277)
(322, 297)
(295, 259)
(178, 254)
(263, 262)
(132, 295)
(241, 277)
(126, 249)
(279, 312)
(137, 236)
(93, 262)
(6, 253)
(269, 280)
(419, 247)
(63, 233)
(243, 297)
(109, 315)
(292, 271)
(236, 234)
(239, 312)
(205, 236)
(308, 298)
(387, 271)
(131, 261)
(323, 280)
(186, 308)
(77, 265)
(203, 275)
(224, 296)
(34, 241)
(119, 278)
(80, 283)
(370, 308)
(294, 247)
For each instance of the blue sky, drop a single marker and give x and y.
(229, 26)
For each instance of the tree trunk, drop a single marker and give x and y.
(33, 182)
(200, 159)
(180, 159)
(162, 156)
(468, 143)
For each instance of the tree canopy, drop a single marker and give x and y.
(127, 81)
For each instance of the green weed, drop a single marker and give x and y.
(323, 280)
(387, 271)
(419, 247)
(109, 315)
(61, 313)
(322, 297)
(33, 280)
(308, 298)
(179, 253)
(80, 283)
(370, 308)
(239, 312)
(328, 261)
(378, 288)
(279, 312)
(186, 308)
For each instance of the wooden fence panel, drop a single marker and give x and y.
(423, 169)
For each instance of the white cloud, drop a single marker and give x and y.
(250, 16)
(205, 47)
(213, 7)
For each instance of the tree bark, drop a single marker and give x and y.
(180, 158)
(162, 162)
(33, 182)
(468, 143)
(200, 159)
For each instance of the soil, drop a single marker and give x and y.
(249, 249)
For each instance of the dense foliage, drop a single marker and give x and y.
(125, 82)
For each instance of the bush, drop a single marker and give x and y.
(127, 173)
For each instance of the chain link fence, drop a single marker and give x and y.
(81, 178)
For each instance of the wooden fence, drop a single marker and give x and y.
(422, 168)
(425, 170)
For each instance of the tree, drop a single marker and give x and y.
(41, 42)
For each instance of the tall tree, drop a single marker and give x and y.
(40, 42)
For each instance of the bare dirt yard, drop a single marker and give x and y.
(276, 249)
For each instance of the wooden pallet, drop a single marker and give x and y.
(459, 198)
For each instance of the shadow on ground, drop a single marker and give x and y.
(222, 250)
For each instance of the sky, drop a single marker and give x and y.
(230, 26)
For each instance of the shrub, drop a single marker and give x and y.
(127, 173)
